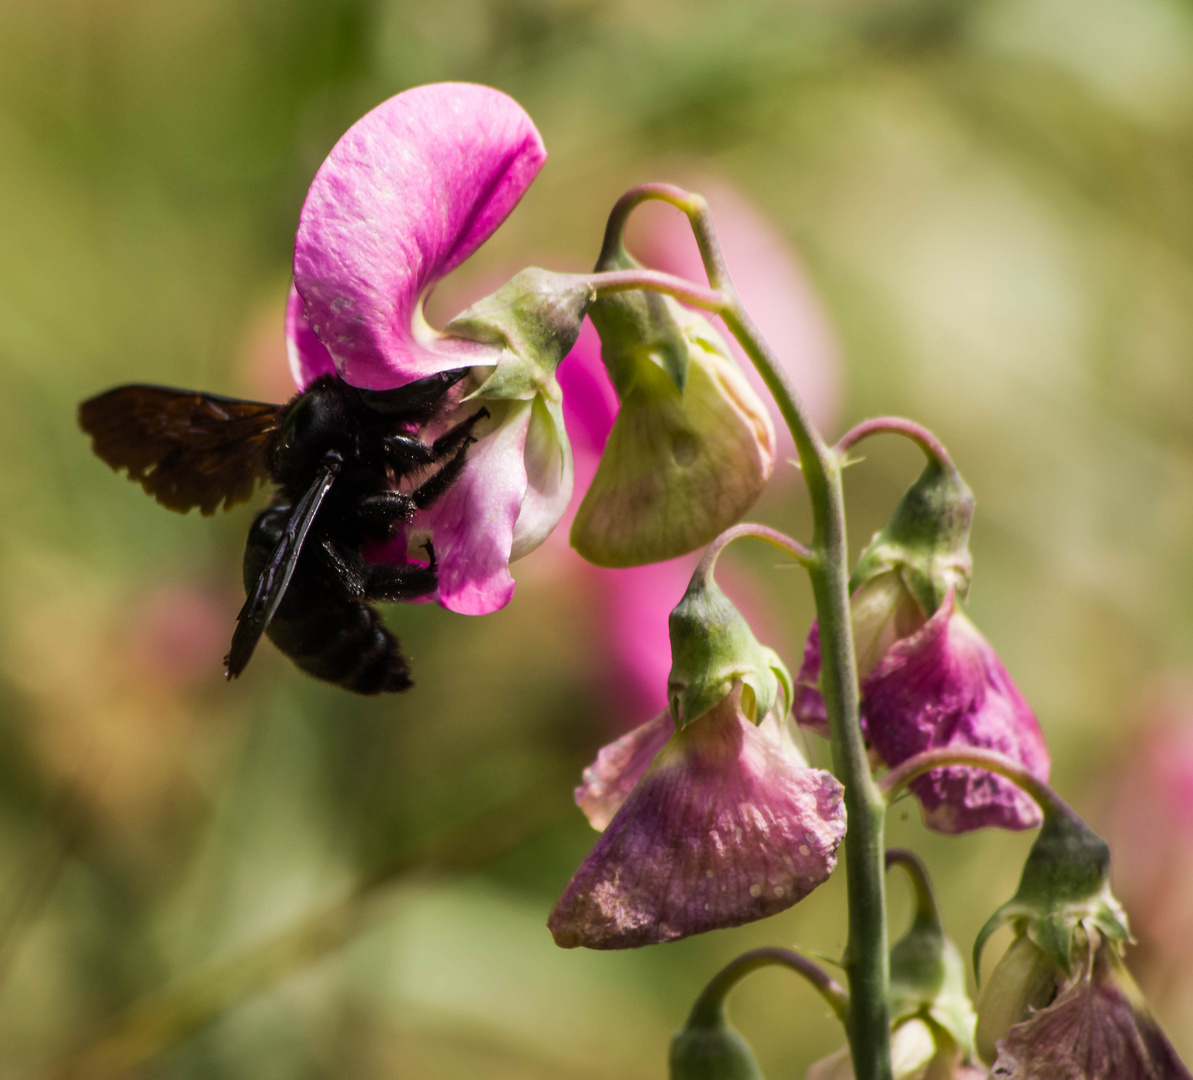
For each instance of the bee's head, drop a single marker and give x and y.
(317, 421)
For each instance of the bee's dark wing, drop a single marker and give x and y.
(274, 580)
(185, 449)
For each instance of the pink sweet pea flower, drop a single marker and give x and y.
(410, 191)
(938, 683)
(716, 825)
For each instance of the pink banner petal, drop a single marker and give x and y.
(409, 192)
(308, 355)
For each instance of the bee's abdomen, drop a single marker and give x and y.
(325, 632)
(344, 643)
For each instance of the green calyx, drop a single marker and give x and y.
(712, 647)
(534, 318)
(639, 329)
(927, 538)
(1065, 888)
(707, 1047)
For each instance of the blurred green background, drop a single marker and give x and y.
(276, 879)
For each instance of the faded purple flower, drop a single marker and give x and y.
(403, 198)
(1097, 1028)
(941, 685)
(725, 825)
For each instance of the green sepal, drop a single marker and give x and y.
(710, 1048)
(535, 318)
(638, 328)
(926, 539)
(1065, 885)
(712, 647)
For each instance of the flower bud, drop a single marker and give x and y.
(691, 448)
(709, 1048)
(712, 648)
(919, 1051)
(927, 538)
(1024, 981)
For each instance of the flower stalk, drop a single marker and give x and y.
(865, 961)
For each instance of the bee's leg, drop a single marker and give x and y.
(450, 440)
(388, 581)
(434, 486)
(387, 508)
(405, 452)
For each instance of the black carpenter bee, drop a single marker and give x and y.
(339, 456)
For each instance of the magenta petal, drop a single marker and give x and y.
(408, 193)
(608, 781)
(472, 525)
(808, 706)
(724, 828)
(945, 686)
(308, 355)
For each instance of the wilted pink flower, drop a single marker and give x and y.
(1098, 1026)
(940, 685)
(403, 198)
(725, 825)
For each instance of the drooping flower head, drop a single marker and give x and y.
(410, 191)
(1061, 1005)
(928, 677)
(715, 824)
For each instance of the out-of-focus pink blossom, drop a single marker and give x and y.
(178, 632)
(1150, 831)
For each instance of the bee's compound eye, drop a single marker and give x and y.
(305, 421)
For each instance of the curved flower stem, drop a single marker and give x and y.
(619, 281)
(926, 912)
(708, 1005)
(896, 425)
(900, 776)
(776, 539)
(865, 961)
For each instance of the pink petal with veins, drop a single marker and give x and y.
(473, 523)
(408, 193)
(724, 828)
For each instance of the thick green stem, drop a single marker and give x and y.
(865, 961)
